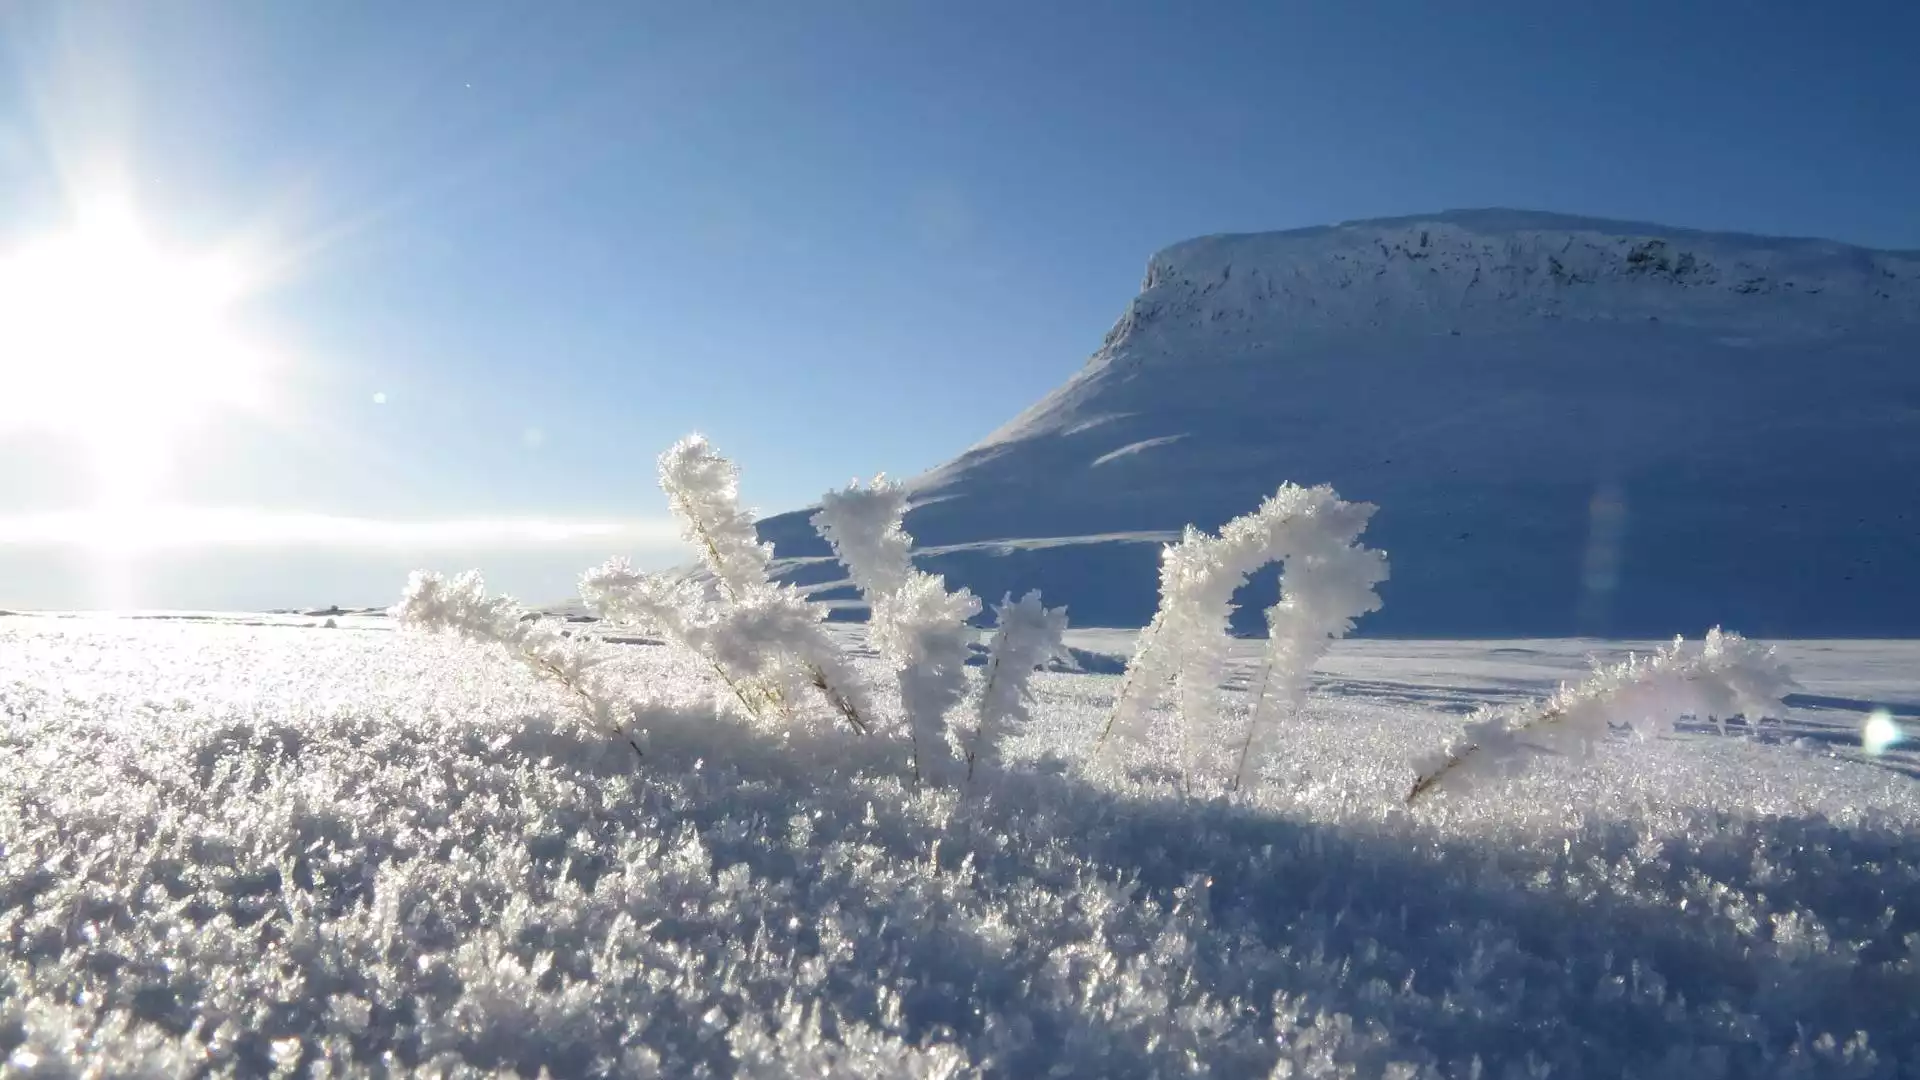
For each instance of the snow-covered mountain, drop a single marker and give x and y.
(1570, 426)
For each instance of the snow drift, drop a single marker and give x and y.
(1572, 426)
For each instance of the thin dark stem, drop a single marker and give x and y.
(587, 704)
(1459, 757)
(838, 700)
(1253, 722)
(986, 695)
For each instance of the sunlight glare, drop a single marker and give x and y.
(118, 345)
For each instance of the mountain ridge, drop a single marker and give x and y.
(1571, 426)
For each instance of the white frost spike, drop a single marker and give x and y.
(463, 608)
(917, 625)
(864, 526)
(1326, 582)
(1729, 676)
(703, 491)
(1028, 635)
(1321, 594)
(775, 630)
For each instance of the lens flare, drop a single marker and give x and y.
(1880, 732)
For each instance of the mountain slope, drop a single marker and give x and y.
(1570, 426)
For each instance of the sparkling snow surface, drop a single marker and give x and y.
(242, 847)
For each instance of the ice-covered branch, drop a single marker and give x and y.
(463, 608)
(703, 492)
(768, 647)
(675, 610)
(1728, 676)
(1327, 581)
(1027, 636)
(1321, 594)
(916, 624)
(772, 628)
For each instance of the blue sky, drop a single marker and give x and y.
(837, 237)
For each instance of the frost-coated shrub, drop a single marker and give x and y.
(767, 644)
(1026, 636)
(463, 608)
(1326, 582)
(748, 643)
(1728, 676)
(916, 625)
(784, 630)
(765, 641)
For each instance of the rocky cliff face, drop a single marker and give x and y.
(1570, 426)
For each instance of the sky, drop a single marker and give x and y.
(471, 266)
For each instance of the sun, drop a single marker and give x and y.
(114, 343)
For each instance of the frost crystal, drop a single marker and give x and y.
(240, 846)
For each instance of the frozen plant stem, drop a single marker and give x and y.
(1728, 676)
(462, 607)
(834, 698)
(987, 689)
(916, 625)
(1253, 726)
(703, 492)
(1454, 760)
(1138, 669)
(1327, 581)
(1026, 636)
(582, 698)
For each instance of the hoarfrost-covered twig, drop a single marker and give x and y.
(1321, 594)
(1144, 681)
(916, 624)
(777, 624)
(748, 643)
(463, 608)
(674, 610)
(1728, 676)
(1327, 581)
(703, 492)
(1027, 636)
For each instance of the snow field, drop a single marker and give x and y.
(244, 850)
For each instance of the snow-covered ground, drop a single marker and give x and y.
(259, 843)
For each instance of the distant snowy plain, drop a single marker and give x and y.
(261, 845)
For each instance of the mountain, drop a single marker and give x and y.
(1570, 426)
